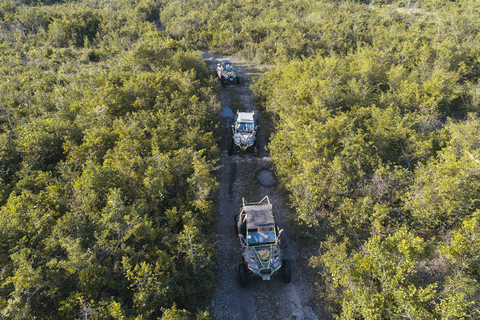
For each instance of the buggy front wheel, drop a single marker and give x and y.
(242, 273)
(287, 271)
(235, 219)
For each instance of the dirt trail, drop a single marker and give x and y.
(243, 175)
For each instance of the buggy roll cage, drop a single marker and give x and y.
(244, 204)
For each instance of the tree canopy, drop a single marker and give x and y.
(376, 144)
(109, 142)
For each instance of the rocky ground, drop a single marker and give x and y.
(243, 175)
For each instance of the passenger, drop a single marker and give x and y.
(242, 127)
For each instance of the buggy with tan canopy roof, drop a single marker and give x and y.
(259, 238)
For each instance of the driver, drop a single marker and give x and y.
(242, 127)
(262, 236)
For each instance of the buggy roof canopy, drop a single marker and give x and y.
(259, 216)
(245, 116)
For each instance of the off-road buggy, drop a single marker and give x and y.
(225, 72)
(259, 238)
(244, 134)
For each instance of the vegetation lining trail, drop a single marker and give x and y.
(106, 191)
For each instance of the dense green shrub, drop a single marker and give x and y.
(375, 140)
(106, 165)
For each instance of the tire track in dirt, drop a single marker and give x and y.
(238, 176)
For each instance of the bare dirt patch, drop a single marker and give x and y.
(266, 178)
(243, 175)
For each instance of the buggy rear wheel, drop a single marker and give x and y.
(255, 144)
(287, 271)
(242, 273)
(230, 147)
(235, 219)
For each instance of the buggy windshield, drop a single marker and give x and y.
(245, 127)
(261, 236)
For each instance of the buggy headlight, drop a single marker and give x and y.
(276, 261)
(250, 258)
(236, 139)
(251, 140)
(277, 264)
(253, 265)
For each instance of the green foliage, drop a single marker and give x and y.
(445, 192)
(40, 143)
(108, 147)
(375, 134)
(445, 189)
(462, 248)
(384, 278)
(73, 28)
(459, 298)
